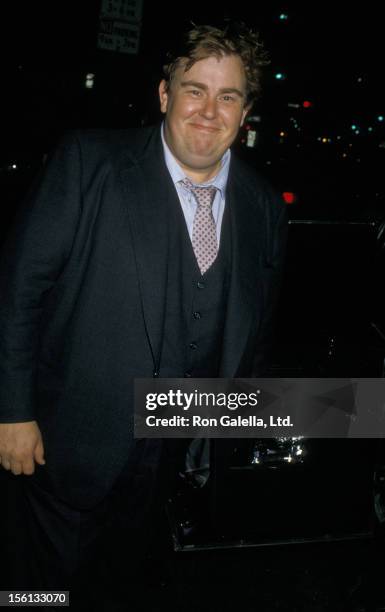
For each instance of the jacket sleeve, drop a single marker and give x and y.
(33, 257)
(272, 281)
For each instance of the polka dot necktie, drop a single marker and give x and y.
(204, 235)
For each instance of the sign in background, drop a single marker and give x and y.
(120, 25)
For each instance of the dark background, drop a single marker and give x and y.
(331, 314)
(330, 53)
(47, 48)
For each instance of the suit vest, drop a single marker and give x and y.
(196, 304)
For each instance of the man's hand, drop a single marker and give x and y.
(21, 445)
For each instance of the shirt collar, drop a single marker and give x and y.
(219, 180)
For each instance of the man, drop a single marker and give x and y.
(151, 252)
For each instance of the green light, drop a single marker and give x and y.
(354, 127)
(380, 118)
(280, 76)
(283, 17)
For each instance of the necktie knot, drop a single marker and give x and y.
(203, 195)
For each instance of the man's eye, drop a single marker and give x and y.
(195, 92)
(228, 98)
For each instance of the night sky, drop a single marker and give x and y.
(322, 46)
(331, 54)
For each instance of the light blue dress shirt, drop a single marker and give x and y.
(187, 199)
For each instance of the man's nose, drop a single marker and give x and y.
(209, 108)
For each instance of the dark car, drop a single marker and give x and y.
(330, 324)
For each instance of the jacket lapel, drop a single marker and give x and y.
(149, 191)
(245, 299)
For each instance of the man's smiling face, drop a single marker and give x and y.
(204, 107)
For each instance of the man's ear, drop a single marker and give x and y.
(244, 114)
(163, 96)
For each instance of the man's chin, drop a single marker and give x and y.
(200, 160)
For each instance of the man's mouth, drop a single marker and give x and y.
(205, 128)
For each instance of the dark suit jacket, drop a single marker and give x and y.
(83, 280)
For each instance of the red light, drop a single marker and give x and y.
(289, 197)
(307, 104)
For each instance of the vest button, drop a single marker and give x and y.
(155, 374)
(187, 375)
(193, 346)
(200, 285)
(197, 314)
